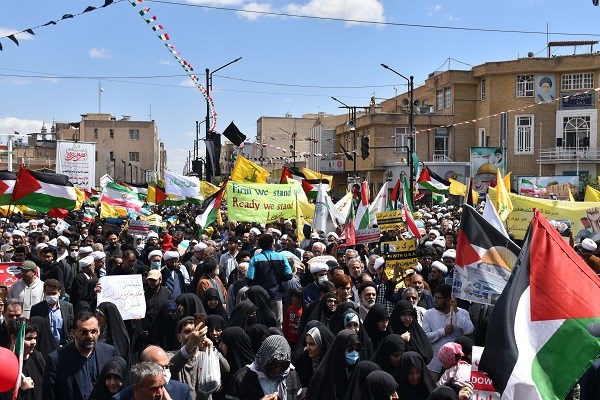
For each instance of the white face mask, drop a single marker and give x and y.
(322, 279)
(167, 375)
(53, 299)
(74, 254)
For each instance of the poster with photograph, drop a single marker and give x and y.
(485, 161)
(545, 88)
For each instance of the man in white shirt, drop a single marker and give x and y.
(443, 324)
(29, 289)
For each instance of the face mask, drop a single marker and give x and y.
(167, 375)
(52, 299)
(140, 247)
(351, 357)
(74, 254)
(322, 279)
(155, 264)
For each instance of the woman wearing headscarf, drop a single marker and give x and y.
(163, 331)
(320, 310)
(112, 328)
(412, 375)
(258, 333)
(387, 356)
(377, 325)
(236, 348)
(112, 378)
(215, 325)
(243, 315)
(336, 323)
(348, 319)
(357, 378)
(270, 373)
(403, 322)
(260, 298)
(317, 340)
(331, 377)
(87, 301)
(213, 304)
(379, 385)
(46, 343)
(188, 305)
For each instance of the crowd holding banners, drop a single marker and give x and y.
(287, 310)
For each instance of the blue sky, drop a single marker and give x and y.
(289, 64)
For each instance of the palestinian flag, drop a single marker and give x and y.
(361, 219)
(210, 209)
(118, 195)
(408, 216)
(433, 182)
(7, 184)
(43, 191)
(538, 344)
(393, 201)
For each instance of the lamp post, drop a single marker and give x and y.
(208, 89)
(137, 176)
(352, 112)
(130, 173)
(411, 125)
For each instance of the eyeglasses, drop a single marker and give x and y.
(85, 332)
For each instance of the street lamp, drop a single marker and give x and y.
(352, 111)
(124, 171)
(208, 89)
(411, 125)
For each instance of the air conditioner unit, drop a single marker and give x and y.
(426, 110)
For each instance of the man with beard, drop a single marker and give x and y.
(155, 295)
(70, 265)
(425, 299)
(252, 243)
(367, 292)
(151, 245)
(234, 289)
(29, 289)
(72, 370)
(443, 324)
(49, 269)
(58, 313)
(112, 249)
(172, 277)
(86, 272)
(196, 259)
(233, 245)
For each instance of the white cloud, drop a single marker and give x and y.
(367, 10)
(99, 53)
(52, 80)
(165, 62)
(187, 83)
(20, 36)
(253, 6)
(23, 126)
(437, 7)
(189, 133)
(217, 2)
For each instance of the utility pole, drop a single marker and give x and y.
(352, 123)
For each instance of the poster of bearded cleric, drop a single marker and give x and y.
(77, 160)
(485, 161)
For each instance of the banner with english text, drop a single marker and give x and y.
(77, 161)
(261, 203)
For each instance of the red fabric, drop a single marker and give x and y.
(25, 184)
(167, 242)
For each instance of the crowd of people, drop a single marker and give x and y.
(241, 311)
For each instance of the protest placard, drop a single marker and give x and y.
(137, 227)
(389, 220)
(400, 255)
(126, 292)
(9, 273)
(483, 387)
(369, 235)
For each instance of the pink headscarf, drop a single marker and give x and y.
(449, 354)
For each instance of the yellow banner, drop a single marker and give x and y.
(261, 202)
(400, 256)
(108, 211)
(582, 217)
(389, 220)
(207, 189)
(312, 175)
(591, 194)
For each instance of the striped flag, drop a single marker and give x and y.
(433, 182)
(408, 216)
(117, 195)
(19, 347)
(43, 191)
(361, 220)
(7, 184)
(210, 209)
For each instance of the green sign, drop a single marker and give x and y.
(258, 202)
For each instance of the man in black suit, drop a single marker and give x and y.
(72, 370)
(58, 313)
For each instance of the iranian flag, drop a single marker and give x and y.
(7, 184)
(538, 344)
(361, 220)
(528, 187)
(43, 191)
(117, 195)
(210, 209)
(19, 348)
(89, 215)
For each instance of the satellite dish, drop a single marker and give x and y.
(530, 54)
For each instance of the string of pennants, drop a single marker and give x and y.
(15, 40)
(187, 67)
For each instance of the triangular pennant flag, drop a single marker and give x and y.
(14, 39)
(30, 31)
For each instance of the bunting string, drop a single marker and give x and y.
(187, 67)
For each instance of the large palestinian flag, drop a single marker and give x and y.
(7, 184)
(538, 344)
(433, 182)
(209, 211)
(43, 191)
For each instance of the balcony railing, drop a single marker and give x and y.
(441, 158)
(568, 155)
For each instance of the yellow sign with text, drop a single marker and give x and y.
(389, 220)
(399, 256)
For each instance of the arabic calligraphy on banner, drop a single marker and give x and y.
(77, 160)
(126, 292)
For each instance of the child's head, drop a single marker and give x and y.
(297, 297)
(449, 354)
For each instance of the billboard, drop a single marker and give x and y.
(77, 160)
(485, 161)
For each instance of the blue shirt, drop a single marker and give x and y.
(56, 323)
(89, 371)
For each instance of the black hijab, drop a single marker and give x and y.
(240, 315)
(239, 349)
(357, 378)
(260, 298)
(116, 333)
(377, 313)
(418, 338)
(215, 321)
(220, 309)
(379, 385)
(114, 365)
(305, 366)
(46, 342)
(426, 385)
(257, 333)
(443, 393)
(191, 304)
(367, 347)
(390, 345)
(336, 323)
(331, 377)
(163, 331)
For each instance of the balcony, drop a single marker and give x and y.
(569, 155)
(442, 158)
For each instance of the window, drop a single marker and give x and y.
(576, 131)
(524, 134)
(95, 133)
(111, 133)
(134, 134)
(577, 81)
(524, 85)
(111, 155)
(134, 156)
(401, 138)
(441, 145)
(447, 97)
(439, 99)
(482, 138)
(482, 90)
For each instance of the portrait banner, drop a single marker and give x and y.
(262, 203)
(10, 272)
(77, 161)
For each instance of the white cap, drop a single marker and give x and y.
(151, 235)
(52, 243)
(276, 231)
(98, 255)
(314, 235)
(588, 244)
(40, 246)
(318, 267)
(434, 232)
(86, 261)
(155, 253)
(440, 266)
(256, 231)
(85, 250)
(284, 237)
(200, 246)
(17, 232)
(418, 267)
(63, 239)
(379, 262)
(170, 254)
(450, 253)
(333, 234)
(439, 241)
